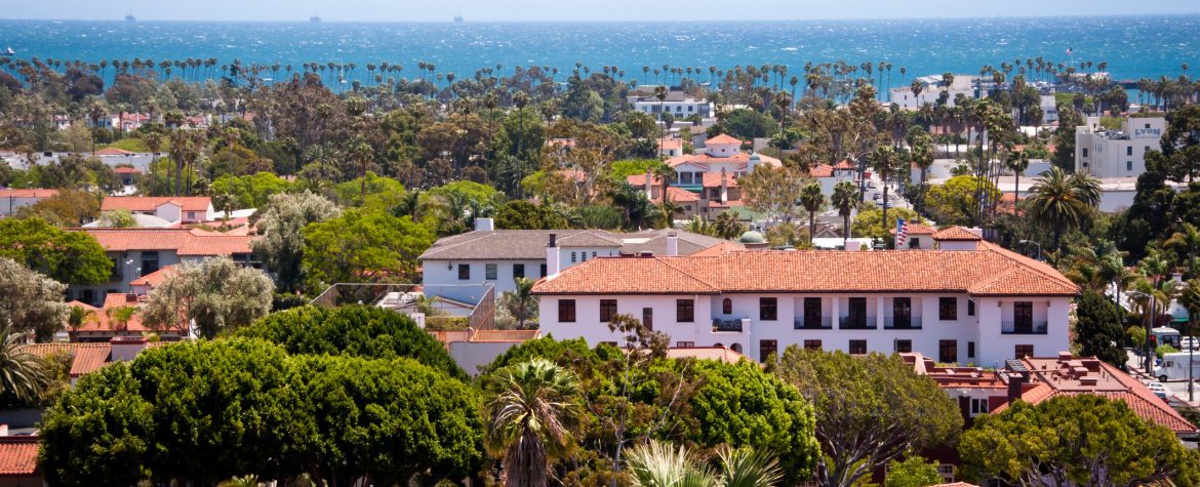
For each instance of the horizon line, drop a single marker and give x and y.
(302, 20)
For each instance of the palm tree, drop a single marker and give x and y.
(884, 161)
(530, 419)
(812, 199)
(23, 375)
(920, 153)
(845, 199)
(520, 301)
(1017, 162)
(656, 464)
(727, 225)
(1060, 202)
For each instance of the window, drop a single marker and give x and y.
(970, 349)
(812, 312)
(648, 318)
(979, 406)
(685, 344)
(767, 349)
(1085, 152)
(1147, 125)
(574, 258)
(768, 309)
(946, 472)
(191, 215)
(685, 310)
(489, 272)
(608, 309)
(914, 243)
(948, 351)
(903, 346)
(858, 347)
(566, 311)
(116, 270)
(902, 312)
(518, 271)
(727, 306)
(1128, 165)
(1023, 351)
(947, 309)
(593, 254)
(812, 344)
(464, 272)
(857, 317)
(970, 307)
(1023, 317)
(88, 296)
(1129, 151)
(542, 270)
(149, 262)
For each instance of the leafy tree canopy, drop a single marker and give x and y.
(364, 246)
(70, 257)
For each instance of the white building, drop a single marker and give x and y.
(677, 103)
(182, 209)
(931, 92)
(976, 304)
(1117, 153)
(498, 257)
(12, 200)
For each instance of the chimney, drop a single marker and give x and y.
(126, 348)
(724, 186)
(1016, 383)
(484, 224)
(3, 429)
(649, 185)
(672, 244)
(553, 259)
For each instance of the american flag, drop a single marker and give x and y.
(901, 231)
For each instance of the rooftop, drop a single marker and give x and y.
(87, 357)
(531, 244)
(18, 455)
(150, 203)
(28, 193)
(183, 241)
(986, 271)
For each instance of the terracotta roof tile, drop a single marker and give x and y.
(680, 195)
(956, 233)
(88, 357)
(915, 228)
(713, 180)
(183, 241)
(815, 271)
(154, 278)
(28, 193)
(149, 203)
(723, 139)
(18, 455)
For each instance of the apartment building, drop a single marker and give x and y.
(1121, 153)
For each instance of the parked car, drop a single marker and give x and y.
(1158, 389)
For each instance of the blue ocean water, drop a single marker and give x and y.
(1134, 47)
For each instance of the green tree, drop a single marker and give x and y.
(845, 199)
(251, 191)
(70, 257)
(914, 471)
(530, 419)
(69, 208)
(920, 154)
(1075, 441)
(281, 240)
(98, 432)
(656, 463)
(383, 420)
(216, 294)
(24, 377)
(955, 202)
(773, 192)
(870, 222)
(363, 246)
(521, 302)
(32, 302)
(812, 199)
(885, 161)
(523, 215)
(1098, 329)
(870, 410)
(355, 330)
(1060, 202)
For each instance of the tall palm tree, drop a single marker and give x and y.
(727, 225)
(520, 301)
(812, 199)
(1060, 202)
(657, 464)
(1017, 162)
(845, 199)
(884, 160)
(23, 376)
(531, 417)
(920, 153)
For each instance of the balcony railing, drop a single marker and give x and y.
(823, 323)
(851, 323)
(1012, 328)
(734, 325)
(893, 323)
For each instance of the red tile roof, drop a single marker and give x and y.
(915, 228)
(718, 249)
(723, 139)
(28, 193)
(956, 233)
(18, 455)
(183, 241)
(102, 323)
(713, 180)
(988, 270)
(741, 158)
(88, 357)
(150, 203)
(680, 195)
(126, 170)
(670, 143)
(154, 278)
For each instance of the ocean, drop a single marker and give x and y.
(1133, 47)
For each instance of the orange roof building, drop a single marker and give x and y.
(184, 209)
(18, 461)
(980, 304)
(12, 200)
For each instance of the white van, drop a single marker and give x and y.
(1175, 367)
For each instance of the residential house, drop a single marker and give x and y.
(973, 302)
(127, 175)
(181, 209)
(932, 88)
(721, 153)
(102, 323)
(19, 460)
(85, 357)
(500, 256)
(678, 103)
(918, 237)
(1121, 153)
(140, 252)
(12, 200)
(670, 146)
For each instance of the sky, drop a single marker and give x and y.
(574, 10)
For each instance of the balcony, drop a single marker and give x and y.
(853, 323)
(1029, 328)
(912, 323)
(733, 325)
(823, 323)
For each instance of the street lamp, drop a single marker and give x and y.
(1039, 247)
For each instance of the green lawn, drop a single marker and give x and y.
(129, 144)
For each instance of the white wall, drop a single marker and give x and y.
(473, 355)
(435, 272)
(131, 268)
(10, 205)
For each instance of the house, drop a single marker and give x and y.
(721, 153)
(12, 200)
(182, 209)
(717, 191)
(932, 88)
(973, 302)
(670, 147)
(1117, 153)
(919, 236)
(140, 252)
(85, 357)
(19, 460)
(127, 175)
(498, 257)
(1033, 380)
(102, 324)
(829, 175)
(677, 102)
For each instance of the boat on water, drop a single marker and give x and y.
(315, 19)
(130, 18)
(458, 19)
(10, 51)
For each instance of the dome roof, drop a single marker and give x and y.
(752, 237)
